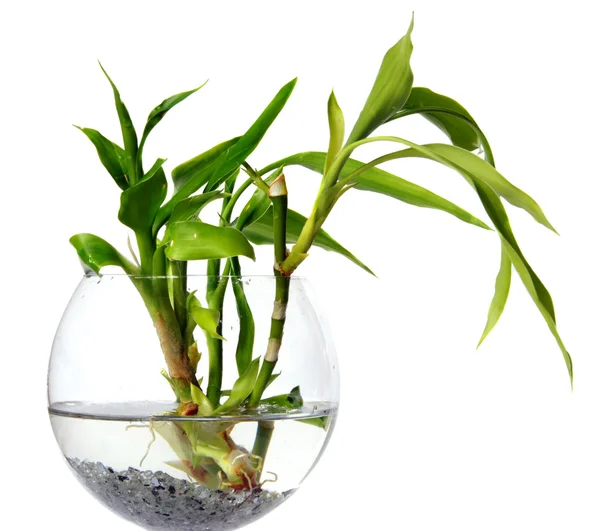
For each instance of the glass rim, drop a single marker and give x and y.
(93, 275)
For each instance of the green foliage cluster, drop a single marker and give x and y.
(169, 232)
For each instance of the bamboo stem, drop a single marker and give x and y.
(179, 270)
(264, 434)
(278, 195)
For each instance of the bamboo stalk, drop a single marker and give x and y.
(264, 433)
(279, 197)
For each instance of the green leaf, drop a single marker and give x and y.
(96, 253)
(195, 240)
(500, 295)
(158, 113)
(382, 182)
(391, 89)
(207, 319)
(128, 131)
(190, 208)
(273, 377)
(141, 202)
(463, 160)
(336, 130)
(214, 166)
(258, 204)
(458, 130)
(194, 355)
(191, 175)
(261, 233)
(317, 422)
(112, 157)
(205, 408)
(245, 345)
(292, 400)
(252, 137)
(206, 442)
(489, 185)
(182, 393)
(241, 388)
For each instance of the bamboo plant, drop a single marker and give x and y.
(169, 233)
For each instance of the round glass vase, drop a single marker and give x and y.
(172, 464)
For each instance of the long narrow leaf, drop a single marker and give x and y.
(245, 345)
(248, 142)
(261, 233)
(196, 172)
(487, 173)
(112, 157)
(382, 182)
(190, 177)
(195, 240)
(336, 130)
(459, 131)
(500, 297)
(214, 166)
(241, 388)
(390, 91)
(159, 112)
(483, 181)
(190, 208)
(127, 129)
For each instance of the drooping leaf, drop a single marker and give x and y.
(490, 185)
(190, 208)
(458, 130)
(381, 182)
(140, 202)
(159, 112)
(336, 130)
(195, 240)
(128, 131)
(261, 233)
(291, 400)
(485, 172)
(241, 388)
(245, 344)
(390, 91)
(112, 157)
(248, 142)
(500, 294)
(207, 319)
(205, 408)
(96, 253)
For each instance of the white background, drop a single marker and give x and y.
(433, 434)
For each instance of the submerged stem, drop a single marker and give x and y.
(264, 433)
